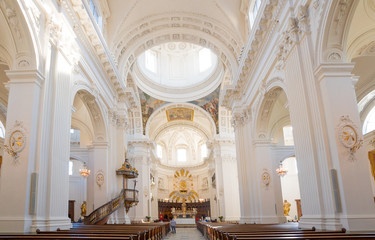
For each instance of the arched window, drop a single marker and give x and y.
(253, 12)
(369, 123)
(70, 167)
(159, 151)
(203, 151)
(288, 136)
(2, 130)
(181, 154)
(150, 61)
(93, 4)
(75, 136)
(204, 59)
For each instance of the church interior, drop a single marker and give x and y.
(236, 112)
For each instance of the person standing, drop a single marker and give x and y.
(173, 225)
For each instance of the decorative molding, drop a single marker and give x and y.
(349, 136)
(254, 46)
(16, 139)
(241, 117)
(99, 178)
(266, 178)
(145, 35)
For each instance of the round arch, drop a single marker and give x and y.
(22, 50)
(263, 130)
(209, 130)
(186, 27)
(94, 110)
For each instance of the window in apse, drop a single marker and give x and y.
(181, 155)
(159, 151)
(204, 59)
(150, 60)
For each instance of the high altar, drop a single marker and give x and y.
(183, 191)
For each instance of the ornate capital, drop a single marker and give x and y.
(240, 117)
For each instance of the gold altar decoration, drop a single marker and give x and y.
(183, 187)
(180, 114)
(286, 206)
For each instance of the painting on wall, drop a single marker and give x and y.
(148, 106)
(180, 114)
(210, 103)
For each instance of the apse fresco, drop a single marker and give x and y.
(210, 103)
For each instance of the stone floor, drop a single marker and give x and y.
(185, 234)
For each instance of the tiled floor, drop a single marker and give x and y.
(185, 234)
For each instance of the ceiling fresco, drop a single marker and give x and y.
(210, 104)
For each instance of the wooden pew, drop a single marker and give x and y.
(271, 231)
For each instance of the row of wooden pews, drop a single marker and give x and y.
(222, 231)
(145, 231)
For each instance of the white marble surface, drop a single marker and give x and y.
(185, 221)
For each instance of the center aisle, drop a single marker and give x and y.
(185, 234)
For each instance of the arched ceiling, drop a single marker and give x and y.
(123, 15)
(188, 115)
(361, 46)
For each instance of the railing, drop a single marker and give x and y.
(126, 197)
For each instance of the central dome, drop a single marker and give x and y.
(178, 71)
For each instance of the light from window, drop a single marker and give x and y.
(288, 136)
(2, 130)
(369, 124)
(204, 59)
(150, 60)
(94, 11)
(253, 12)
(70, 168)
(75, 136)
(159, 151)
(204, 151)
(181, 155)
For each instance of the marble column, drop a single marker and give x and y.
(98, 163)
(352, 192)
(269, 182)
(16, 171)
(140, 159)
(246, 162)
(224, 155)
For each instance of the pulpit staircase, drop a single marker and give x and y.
(101, 215)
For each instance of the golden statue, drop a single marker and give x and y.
(83, 209)
(286, 206)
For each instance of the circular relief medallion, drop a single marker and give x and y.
(348, 136)
(99, 179)
(266, 178)
(17, 141)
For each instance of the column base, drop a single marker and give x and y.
(15, 225)
(358, 223)
(273, 219)
(51, 225)
(231, 219)
(27, 225)
(249, 220)
(320, 224)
